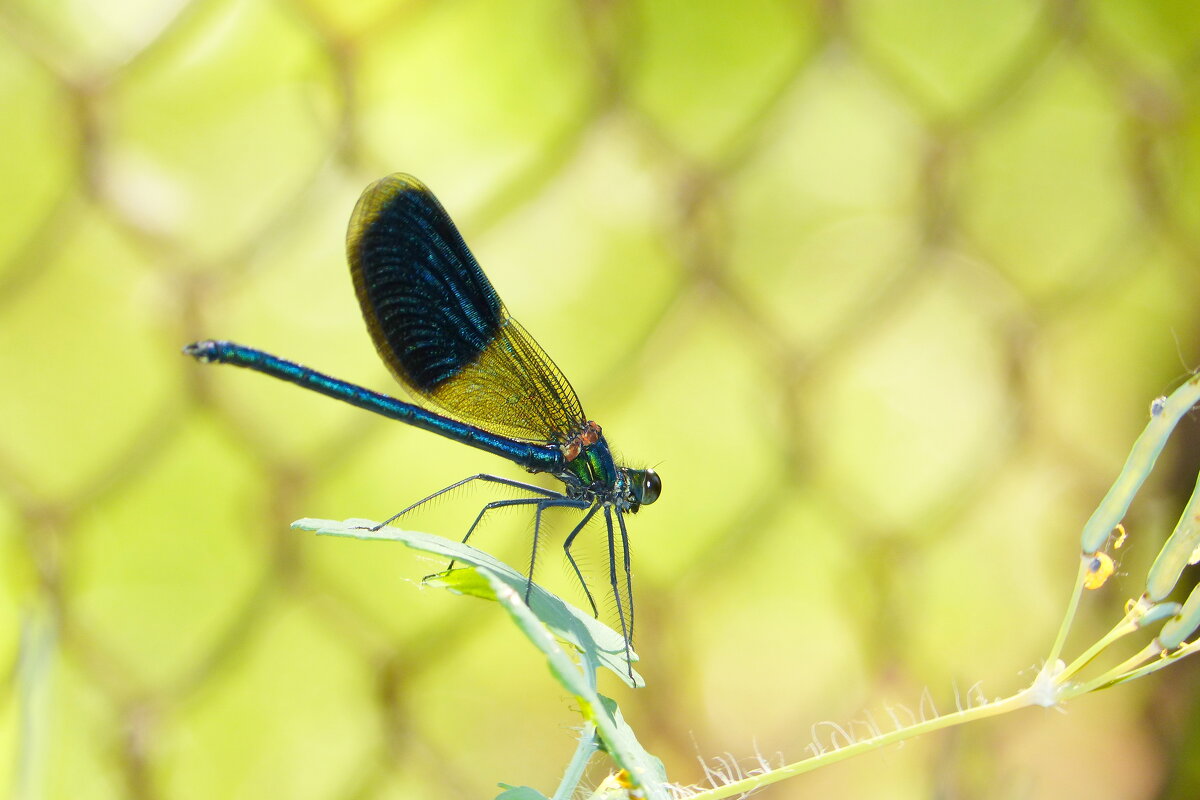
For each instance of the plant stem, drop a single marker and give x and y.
(1068, 618)
(994, 708)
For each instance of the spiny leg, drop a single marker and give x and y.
(560, 502)
(628, 576)
(567, 549)
(483, 476)
(552, 500)
(537, 526)
(521, 501)
(612, 577)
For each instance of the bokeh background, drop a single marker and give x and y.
(882, 289)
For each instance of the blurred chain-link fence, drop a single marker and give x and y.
(883, 290)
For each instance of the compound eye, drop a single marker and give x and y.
(651, 487)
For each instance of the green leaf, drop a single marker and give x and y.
(643, 770)
(546, 621)
(599, 644)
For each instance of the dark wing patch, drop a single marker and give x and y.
(429, 307)
(439, 325)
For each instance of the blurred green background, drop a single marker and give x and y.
(882, 289)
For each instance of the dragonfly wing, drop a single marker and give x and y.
(439, 325)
